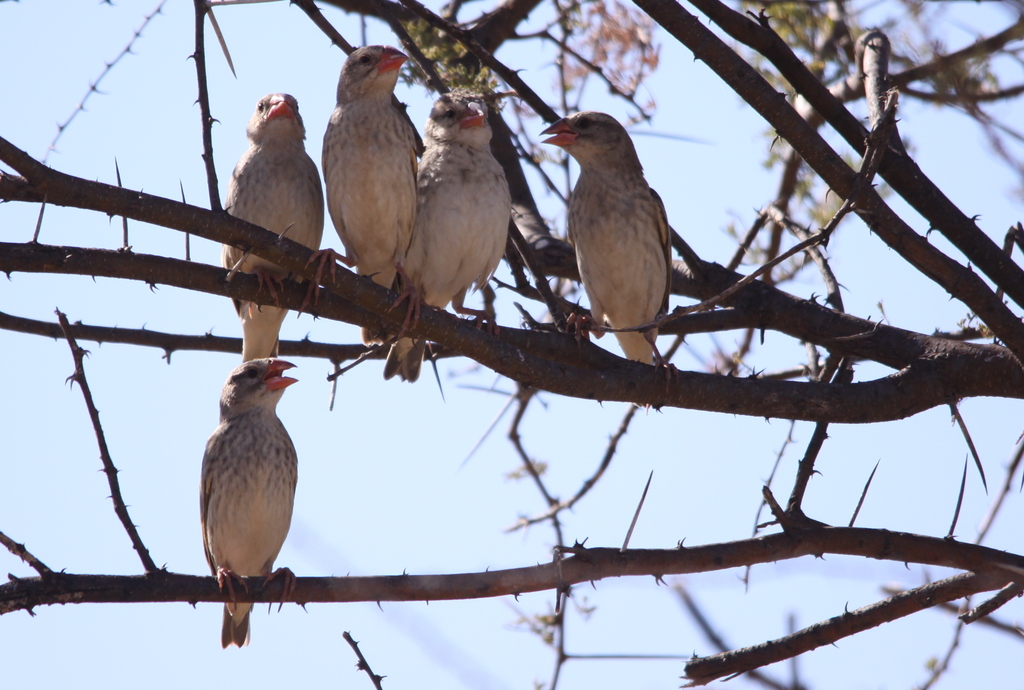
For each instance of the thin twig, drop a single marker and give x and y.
(806, 466)
(940, 667)
(540, 279)
(93, 87)
(606, 460)
(362, 664)
(204, 106)
(24, 554)
(997, 502)
(426, 66)
(1004, 596)
(716, 639)
(511, 77)
(748, 239)
(108, 466)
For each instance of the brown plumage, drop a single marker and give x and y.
(462, 215)
(619, 229)
(275, 185)
(369, 163)
(248, 484)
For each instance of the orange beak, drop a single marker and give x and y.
(281, 109)
(474, 117)
(564, 135)
(273, 379)
(390, 60)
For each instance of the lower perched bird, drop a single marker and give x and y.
(462, 215)
(369, 162)
(619, 229)
(275, 185)
(248, 486)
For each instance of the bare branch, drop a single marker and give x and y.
(362, 664)
(108, 465)
(24, 554)
(173, 342)
(703, 671)
(199, 56)
(988, 566)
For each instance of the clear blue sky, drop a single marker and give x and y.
(382, 486)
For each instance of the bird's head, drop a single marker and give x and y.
(257, 383)
(276, 117)
(459, 116)
(592, 137)
(370, 71)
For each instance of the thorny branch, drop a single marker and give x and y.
(987, 569)
(199, 56)
(704, 670)
(362, 664)
(347, 302)
(108, 465)
(21, 552)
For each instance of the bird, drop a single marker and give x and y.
(248, 486)
(274, 185)
(619, 229)
(369, 164)
(462, 215)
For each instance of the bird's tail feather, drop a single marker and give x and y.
(635, 347)
(235, 630)
(405, 359)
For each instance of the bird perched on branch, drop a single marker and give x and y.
(462, 216)
(248, 487)
(369, 162)
(619, 229)
(275, 185)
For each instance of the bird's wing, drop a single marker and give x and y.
(205, 493)
(666, 245)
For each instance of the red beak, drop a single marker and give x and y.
(474, 117)
(390, 60)
(564, 135)
(273, 379)
(280, 109)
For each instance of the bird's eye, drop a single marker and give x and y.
(449, 113)
(583, 123)
(365, 60)
(252, 373)
(259, 107)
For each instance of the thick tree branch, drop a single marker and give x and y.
(956, 279)
(933, 379)
(491, 29)
(905, 177)
(554, 362)
(584, 565)
(757, 305)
